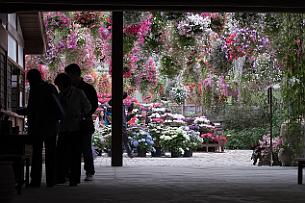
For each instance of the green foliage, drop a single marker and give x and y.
(289, 40)
(245, 138)
(293, 136)
(153, 41)
(172, 15)
(190, 75)
(252, 20)
(128, 41)
(169, 67)
(218, 58)
(242, 117)
(185, 42)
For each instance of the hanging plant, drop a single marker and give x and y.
(58, 21)
(169, 67)
(178, 94)
(153, 40)
(86, 18)
(128, 43)
(218, 23)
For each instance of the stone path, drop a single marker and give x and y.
(231, 158)
(207, 177)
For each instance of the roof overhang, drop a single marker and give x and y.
(185, 5)
(33, 32)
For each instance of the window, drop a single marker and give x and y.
(2, 79)
(20, 55)
(14, 81)
(12, 48)
(12, 20)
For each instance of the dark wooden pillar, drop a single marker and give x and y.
(117, 87)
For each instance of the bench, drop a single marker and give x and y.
(301, 165)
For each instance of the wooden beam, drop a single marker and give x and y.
(117, 88)
(181, 5)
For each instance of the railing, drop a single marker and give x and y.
(16, 121)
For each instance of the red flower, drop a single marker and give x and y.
(209, 137)
(222, 139)
(132, 29)
(157, 120)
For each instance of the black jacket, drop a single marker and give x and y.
(91, 95)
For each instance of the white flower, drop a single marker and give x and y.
(201, 119)
(186, 136)
(178, 116)
(292, 81)
(181, 150)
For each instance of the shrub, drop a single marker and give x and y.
(244, 139)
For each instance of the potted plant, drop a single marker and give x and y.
(209, 138)
(98, 143)
(174, 139)
(106, 136)
(264, 150)
(285, 155)
(156, 130)
(192, 144)
(141, 140)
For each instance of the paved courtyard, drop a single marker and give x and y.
(206, 177)
(231, 158)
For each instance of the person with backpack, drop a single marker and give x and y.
(74, 71)
(76, 106)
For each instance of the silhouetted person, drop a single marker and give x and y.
(130, 114)
(73, 70)
(76, 106)
(124, 128)
(43, 115)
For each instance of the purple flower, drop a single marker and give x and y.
(194, 127)
(207, 83)
(72, 41)
(135, 143)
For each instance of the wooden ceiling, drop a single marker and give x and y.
(32, 31)
(185, 5)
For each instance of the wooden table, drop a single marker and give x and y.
(216, 146)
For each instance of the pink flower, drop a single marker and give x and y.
(157, 120)
(89, 78)
(132, 29)
(223, 86)
(72, 40)
(104, 33)
(207, 83)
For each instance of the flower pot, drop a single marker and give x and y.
(285, 157)
(157, 153)
(109, 153)
(141, 152)
(7, 182)
(188, 153)
(175, 154)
